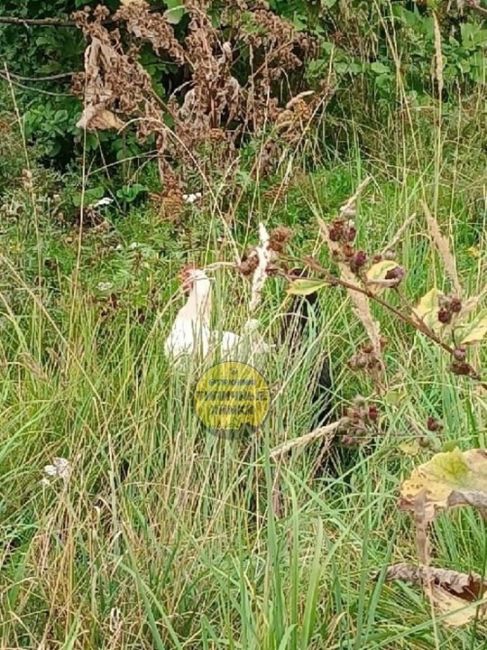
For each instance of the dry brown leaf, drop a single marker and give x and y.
(443, 247)
(152, 27)
(105, 119)
(455, 610)
(210, 109)
(98, 56)
(469, 586)
(453, 594)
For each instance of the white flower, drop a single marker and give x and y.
(106, 200)
(60, 468)
(192, 198)
(133, 245)
(104, 286)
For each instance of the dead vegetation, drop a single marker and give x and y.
(203, 121)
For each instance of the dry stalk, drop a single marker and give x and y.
(443, 247)
(327, 432)
(398, 236)
(352, 200)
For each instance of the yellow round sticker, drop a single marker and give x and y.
(231, 395)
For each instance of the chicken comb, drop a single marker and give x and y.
(186, 268)
(184, 274)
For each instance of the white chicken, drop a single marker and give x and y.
(191, 335)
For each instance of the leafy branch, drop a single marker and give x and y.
(364, 282)
(416, 323)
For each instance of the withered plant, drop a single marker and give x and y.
(201, 125)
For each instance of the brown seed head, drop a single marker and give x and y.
(456, 305)
(444, 315)
(351, 233)
(432, 424)
(279, 238)
(395, 274)
(461, 368)
(249, 263)
(358, 260)
(373, 413)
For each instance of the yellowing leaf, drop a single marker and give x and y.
(394, 397)
(449, 479)
(410, 448)
(305, 286)
(379, 270)
(428, 302)
(428, 307)
(450, 445)
(476, 330)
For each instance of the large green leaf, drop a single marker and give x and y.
(175, 11)
(306, 286)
